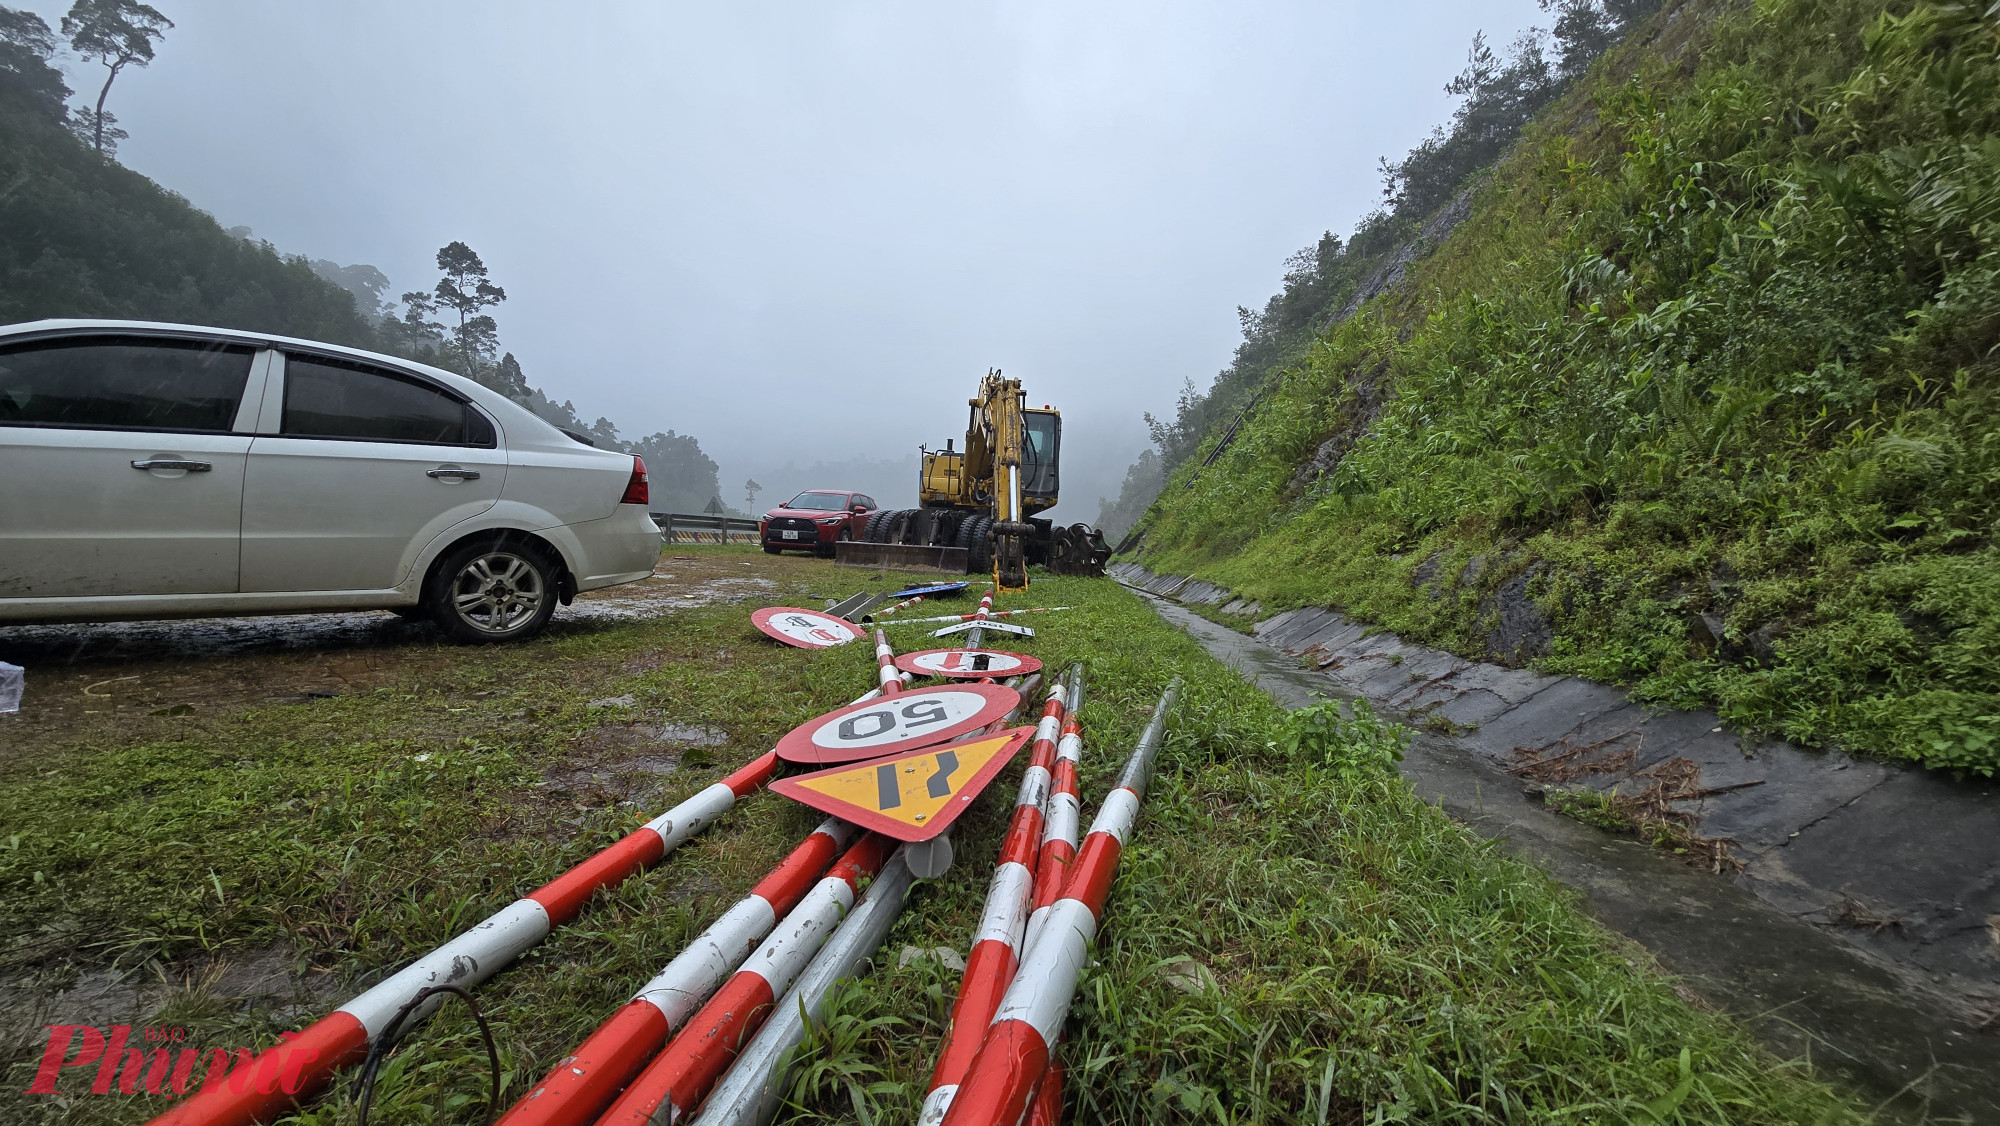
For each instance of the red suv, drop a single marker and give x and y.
(815, 521)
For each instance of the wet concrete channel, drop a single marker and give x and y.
(1806, 993)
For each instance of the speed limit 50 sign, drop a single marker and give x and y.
(905, 721)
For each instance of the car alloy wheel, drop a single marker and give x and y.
(497, 595)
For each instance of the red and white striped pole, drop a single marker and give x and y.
(1045, 1109)
(1015, 1054)
(578, 1089)
(890, 677)
(674, 1084)
(878, 614)
(343, 1037)
(989, 967)
(976, 617)
(974, 638)
(1058, 849)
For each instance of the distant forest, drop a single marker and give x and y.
(83, 236)
(1422, 197)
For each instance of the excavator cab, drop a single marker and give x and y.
(1041, 450)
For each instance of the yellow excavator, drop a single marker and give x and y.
(982, 500)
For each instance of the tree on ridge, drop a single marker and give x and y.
(118, 33)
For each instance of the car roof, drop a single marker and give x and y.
(209, 332)
(512, 414)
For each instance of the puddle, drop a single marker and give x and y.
(1804, 992)
(75, 643)
(93, 642)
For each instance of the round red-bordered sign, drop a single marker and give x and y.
(806, 629)
(905, 721)
(965, 664)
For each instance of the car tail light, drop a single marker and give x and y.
(635, 489)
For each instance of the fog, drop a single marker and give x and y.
(802, 232)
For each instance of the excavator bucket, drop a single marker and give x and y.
(900, 557)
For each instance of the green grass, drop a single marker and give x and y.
(1372, 960)
(1718, 339)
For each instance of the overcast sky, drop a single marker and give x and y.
(803, 231)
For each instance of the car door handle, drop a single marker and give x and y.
(173, 463)
(461, 474)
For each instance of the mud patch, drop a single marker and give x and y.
(627, 763)
(106, 997)
(662, 594)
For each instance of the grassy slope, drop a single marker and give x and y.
(1719, 339)
(1371, 958)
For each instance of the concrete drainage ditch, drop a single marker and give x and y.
(1847, 910)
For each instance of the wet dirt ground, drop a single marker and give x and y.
(147, 673)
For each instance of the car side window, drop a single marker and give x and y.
(123, 383)
(866, 502)
(329, 399)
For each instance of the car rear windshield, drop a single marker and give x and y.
(826, 502)
(122, 383)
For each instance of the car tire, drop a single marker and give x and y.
(825, 549)
(773, 549)
(489, 591)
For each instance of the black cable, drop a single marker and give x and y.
(387, 1040)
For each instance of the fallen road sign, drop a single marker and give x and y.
(804, 629)
(889, 725)
(984, 624)
(935, 590)
(911, 797)
(974, 664)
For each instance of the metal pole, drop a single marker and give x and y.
(343, 1037)
(590, 1076)
(680, 1077)
(885, 665)
(989, 967)
(976, 617)
(1058, 849)
(752, 1092)
(1015, 1054)
(974, 638)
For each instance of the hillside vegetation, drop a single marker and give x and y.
(1700, 396)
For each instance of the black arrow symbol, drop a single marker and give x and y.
(940, 783)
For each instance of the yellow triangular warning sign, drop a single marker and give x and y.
(913, 796)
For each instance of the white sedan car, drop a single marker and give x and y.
(161, 471)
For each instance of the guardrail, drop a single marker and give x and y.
(699, 527)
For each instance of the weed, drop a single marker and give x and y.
(1716, 353)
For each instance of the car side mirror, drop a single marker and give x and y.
(857, 508)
